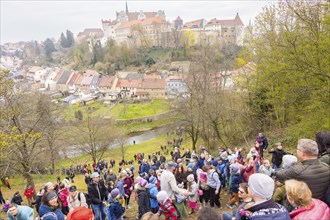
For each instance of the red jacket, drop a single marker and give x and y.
(168, 209)
(318, 210)
(29, 192)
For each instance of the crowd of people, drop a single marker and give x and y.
(285, 187)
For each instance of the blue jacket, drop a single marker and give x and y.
(120, 186)
(145, 167)
(154, 167)
(115, 210)
(24, 212)
(44, 209)
(153, 191)
(200, 163)
(236, 179)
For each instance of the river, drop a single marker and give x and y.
(74, 151)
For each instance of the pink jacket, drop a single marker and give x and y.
(64, 193)
(318, 210)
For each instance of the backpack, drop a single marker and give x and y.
(49, 214)
(88, 199)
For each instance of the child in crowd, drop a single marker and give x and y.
(143, 196)
(166, 206)
(180, 202)
(193, 193)
(153, 191)
(115, 209)
(5, 206)
(203, 187)
(236, 179)
(265, 168)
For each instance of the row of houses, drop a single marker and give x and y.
(89, 85)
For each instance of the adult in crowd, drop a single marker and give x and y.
(88, 179)
(111, 176)
(312, 171)
(187, 156)
(263, 143)
(17, 212)
(247, 202)
(168, 182)
(307, 208)
(128, 188)
(213, 181)
(98, 195)
(261, 188)
(323, 143)
(75, 199)
(50, 209)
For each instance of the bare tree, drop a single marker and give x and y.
(93, 136)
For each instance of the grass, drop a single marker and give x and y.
(118, 111)
(131, 111)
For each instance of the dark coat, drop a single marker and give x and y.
(17, 199)
(115, 210)
(143, 201)
(277, 156)
(236, 179)
(313, 172)
(93, 193)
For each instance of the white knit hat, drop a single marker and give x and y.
(289, 160)
(261, 185)
(162, 196)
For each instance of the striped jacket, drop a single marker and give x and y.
(168, 209)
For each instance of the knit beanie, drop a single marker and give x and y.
(80, 213)
(289, 160)
(142, 181)
(261, 185)
(114, 193)
(152, 179)
(162, 196)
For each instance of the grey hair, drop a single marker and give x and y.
(308, 146)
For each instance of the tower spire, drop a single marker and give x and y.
(126, 8)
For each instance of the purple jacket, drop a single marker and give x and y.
(129, 183)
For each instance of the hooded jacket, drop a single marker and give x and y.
(153, 191)
(44, 209)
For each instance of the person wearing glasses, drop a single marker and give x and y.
(312, 171)
(17, 212)
(247, 202)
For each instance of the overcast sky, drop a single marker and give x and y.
(37, 20)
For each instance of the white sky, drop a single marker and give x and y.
(37, 20)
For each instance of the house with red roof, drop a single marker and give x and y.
(154, 87)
